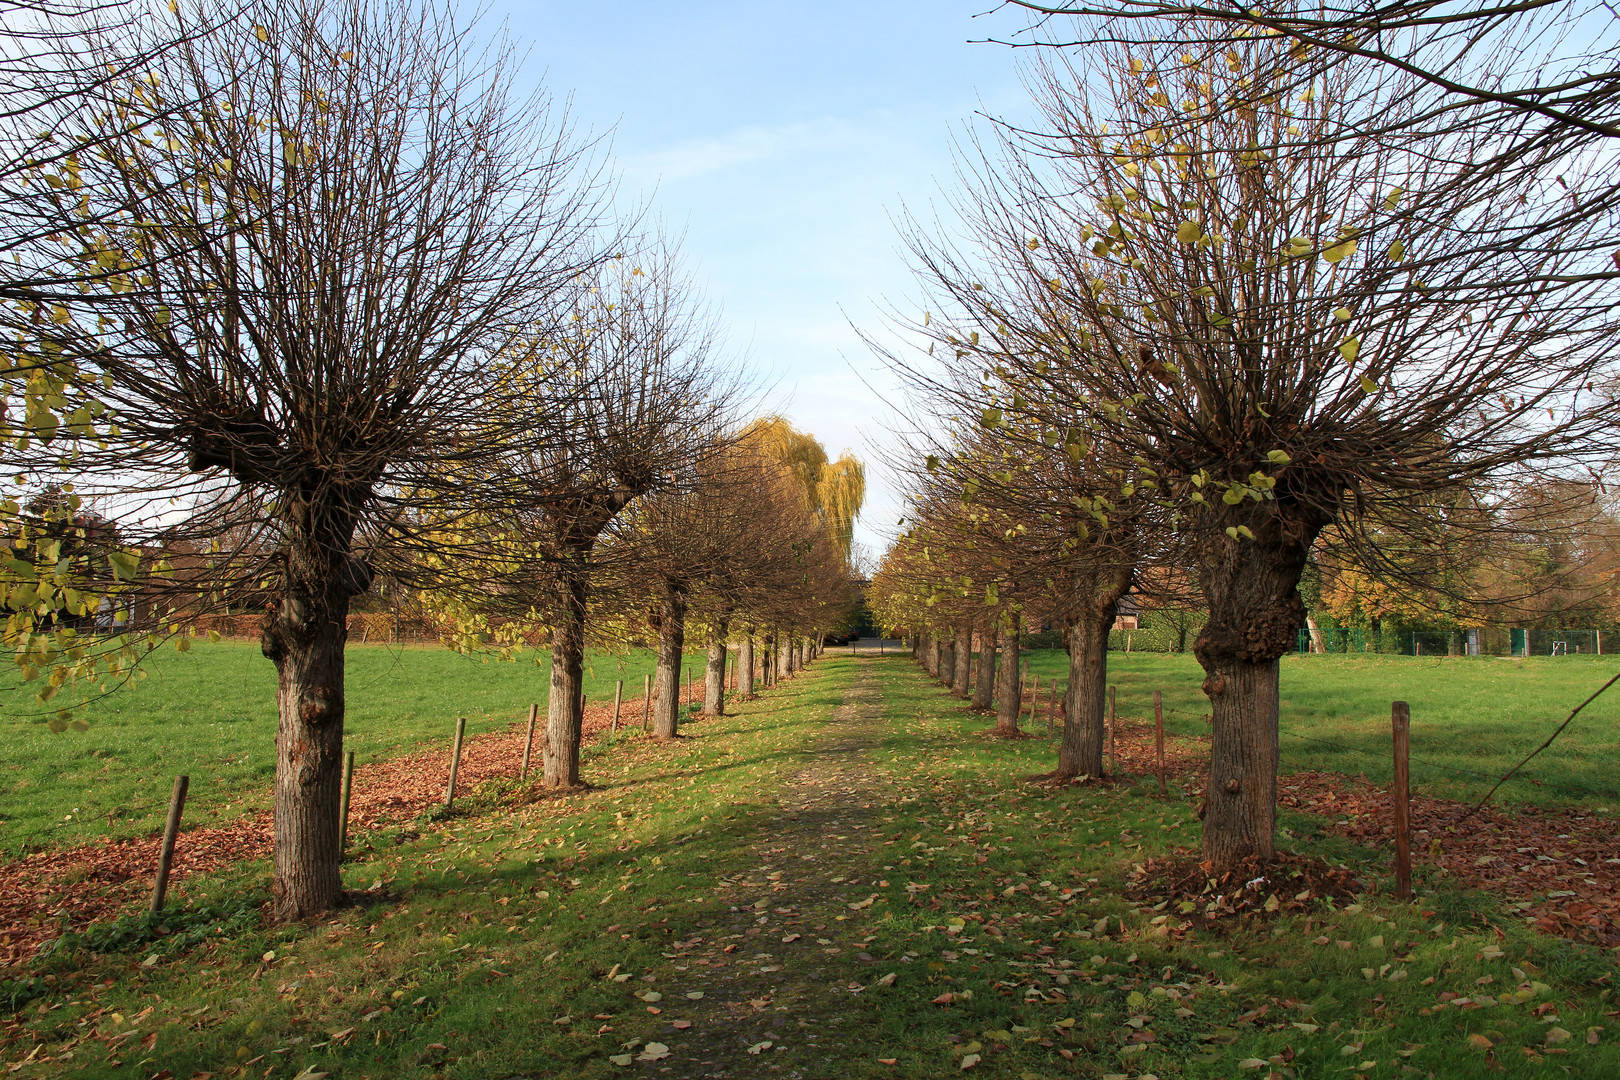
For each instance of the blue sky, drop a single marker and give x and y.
(780, 138)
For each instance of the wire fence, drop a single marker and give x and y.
(1467, 641)
(1156, 637)
(1381, 759)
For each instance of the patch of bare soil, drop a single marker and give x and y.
(1561, 867)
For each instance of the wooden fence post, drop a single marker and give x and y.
(1400, 716)
(171, 830)
(1034, 698)
(343, 808)
(455, 761)
(646, 702)
(618, 697)
(528, 740)
(1051, 708)
(1158, 738)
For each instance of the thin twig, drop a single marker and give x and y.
(1556, 732)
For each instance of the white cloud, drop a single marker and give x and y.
(744, 145)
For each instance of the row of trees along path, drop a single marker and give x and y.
(311, 302)
(47, 893)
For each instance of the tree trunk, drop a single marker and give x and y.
(1085, 704)
(1240, 815)
(714, 677)
(985, 683)
(666, 703)
(309, 752)
(304, 636)
(962, 672)
(745, 667)
(947, 662)
(1254, 617)
(564, 719)
(784, 657)
(1009, 688)
(1317, 637)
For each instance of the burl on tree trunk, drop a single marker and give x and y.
(1009, 687)
(564, 719)
(666, 703)
(304, 635)
(714, 675)
(1254, 617)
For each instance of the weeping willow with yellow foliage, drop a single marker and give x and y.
(833, 490)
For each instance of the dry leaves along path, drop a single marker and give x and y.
(48, 892)
(764, 991)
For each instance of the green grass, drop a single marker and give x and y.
(494, 955)
(1472, 717)
(211, 713)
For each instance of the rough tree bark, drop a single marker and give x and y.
(1085, 704)
(784, 657)
(984, 686)
(745, 666)
(304, 635)
(714, 675)
(962, 673)
(947, 662)
(1254, 617)
(666, 703)
(564, 719)
(1009, 687)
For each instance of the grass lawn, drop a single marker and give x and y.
(1472, 717)
(848, 879)
(211, 713)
